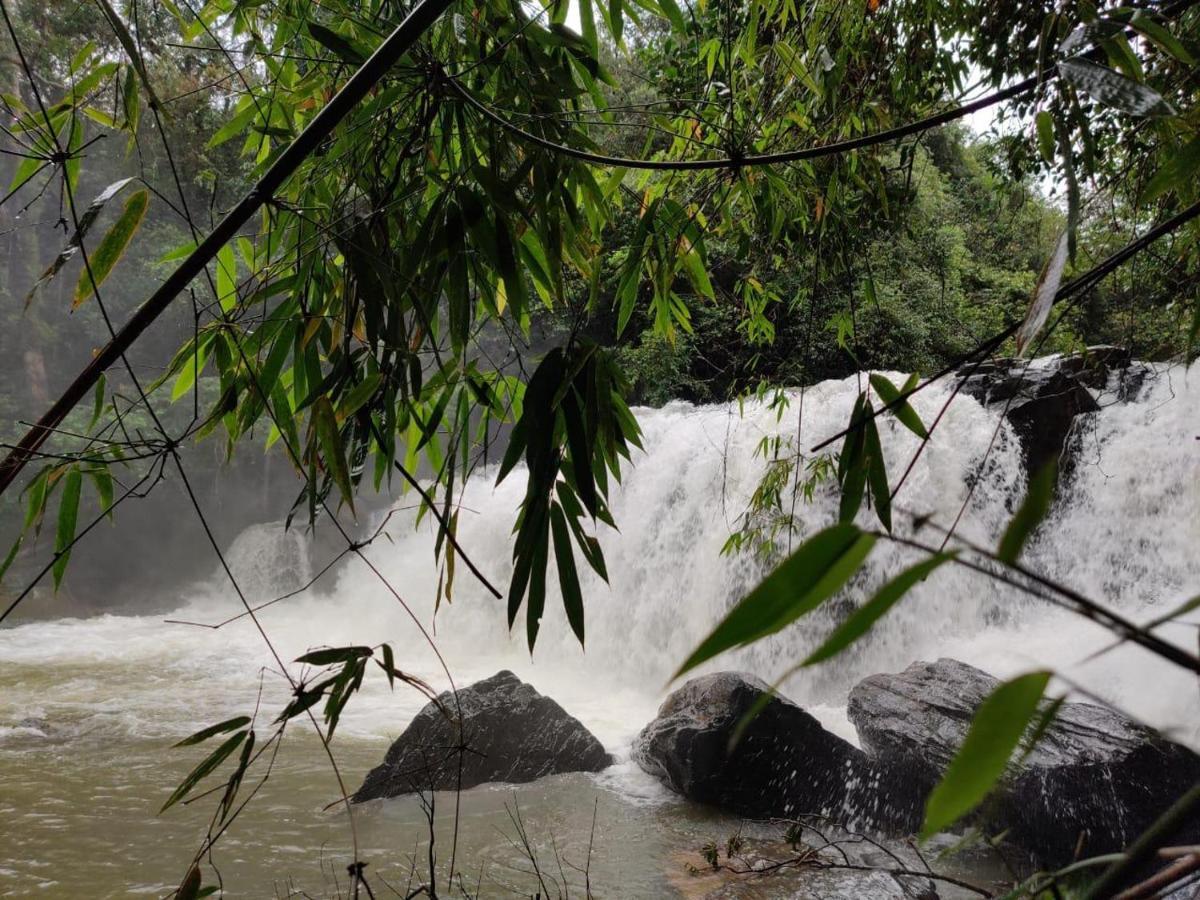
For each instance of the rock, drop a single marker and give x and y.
(1095, 365)
(1043, 400)
(1092, 784)
(785, 764)
(510, 733)
(1045, 422)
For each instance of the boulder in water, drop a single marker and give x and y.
(510, 733)
(1092, 784)
(784, 765)
(1044, 423)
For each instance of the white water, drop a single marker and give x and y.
(1127, 535)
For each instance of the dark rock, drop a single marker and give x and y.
(1094, 781)
(1045, 422)
(1095, 365)
(1043, 401)
(510, 733)
(785, 764)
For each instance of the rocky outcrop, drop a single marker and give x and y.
(509, 733)
(784, 764)
(1042, 400)
(1093, 782)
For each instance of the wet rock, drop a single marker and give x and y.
(785, 764)
(1092, 784)
(510, 733)
(1044, 423)
(1096, 365)
(1044, 398)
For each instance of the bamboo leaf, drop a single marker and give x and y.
(1030, 514)
(111, 248)
(903, 411)
(995, 732)
(207, 767)
(816, 571)
(1111, 88)
(68, 515)
(86, 220)
(334, 655)
(330, 439)
(1045, 135)
(341, 46)
(213, 730)
(190, 889)
(568, 578)
(877, 473)
(861, 620)
(1179, 171)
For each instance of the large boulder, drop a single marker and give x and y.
(509, 733)
(1042, 401)
(784, 765)
(1092, 783)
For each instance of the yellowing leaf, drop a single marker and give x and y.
(112, 247)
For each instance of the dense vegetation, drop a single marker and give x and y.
(531, 227)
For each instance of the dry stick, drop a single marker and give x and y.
(1144, 847)
(397, 44)
(761, 159)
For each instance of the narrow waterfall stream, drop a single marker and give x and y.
(103, 698)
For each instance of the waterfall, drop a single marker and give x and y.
(1124, 532)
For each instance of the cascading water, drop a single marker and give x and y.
(122, 688)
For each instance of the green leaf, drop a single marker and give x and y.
(852, 462)
(1163, 38)
(995, 732)
(98, 400)
(568, 578)
(112, 247)
(210, 763)
(1111, 88)
(190, 889)
(226, 280)
(861, 620)
(68, 515)
(103, 481)
(903, 411)
(12, 555)
(877, 474)
(332, 655)
(1033, 509)
(330, 439)
(1179, 171)
(86, 221)
(1045, 135)
(341, 46)
(816, 571)
(235, 126)
(213, 730)
(357, 396)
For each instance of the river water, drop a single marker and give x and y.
(81, 784)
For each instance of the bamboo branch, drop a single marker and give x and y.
(398, 43)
